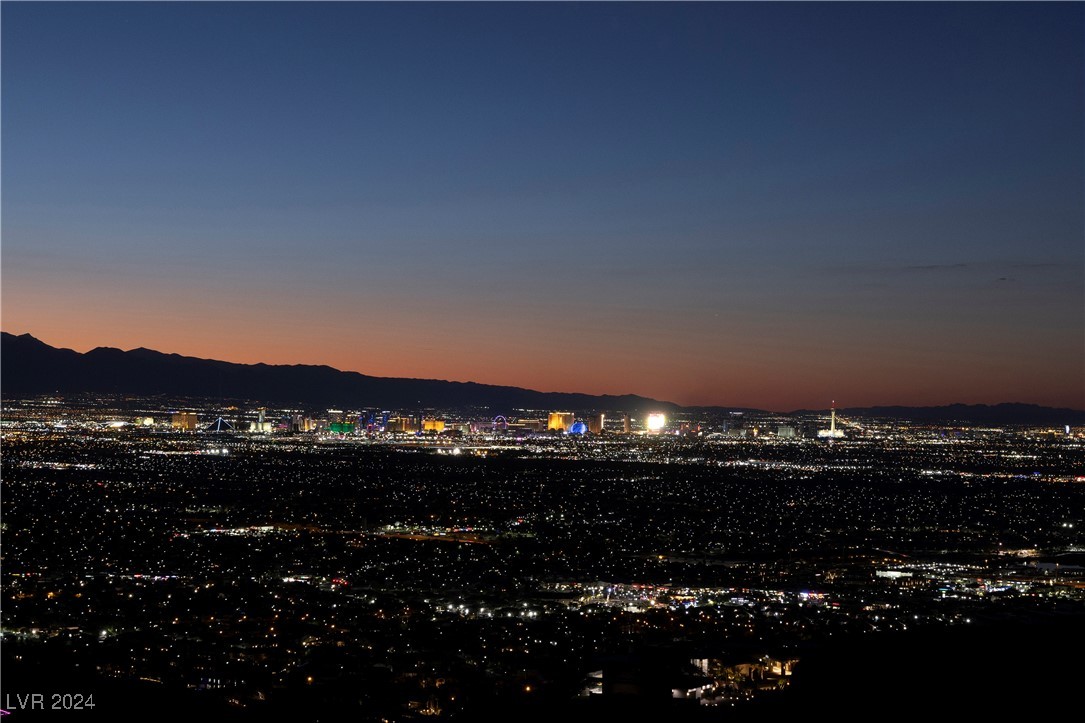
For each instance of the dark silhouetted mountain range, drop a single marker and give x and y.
(29, 366)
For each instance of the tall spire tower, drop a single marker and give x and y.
(832, 432)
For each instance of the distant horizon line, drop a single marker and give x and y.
(512, 386)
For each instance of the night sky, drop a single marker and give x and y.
(758, 205)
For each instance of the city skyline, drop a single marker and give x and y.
(709, 204)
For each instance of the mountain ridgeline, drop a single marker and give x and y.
(31, 367)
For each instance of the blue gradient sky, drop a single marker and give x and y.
(764, 205)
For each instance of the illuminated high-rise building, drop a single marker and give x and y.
(595, 423)
(185, 421)
(832, 432)
(400, 424)
(562, 421)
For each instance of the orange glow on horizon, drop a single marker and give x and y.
(683, 361)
